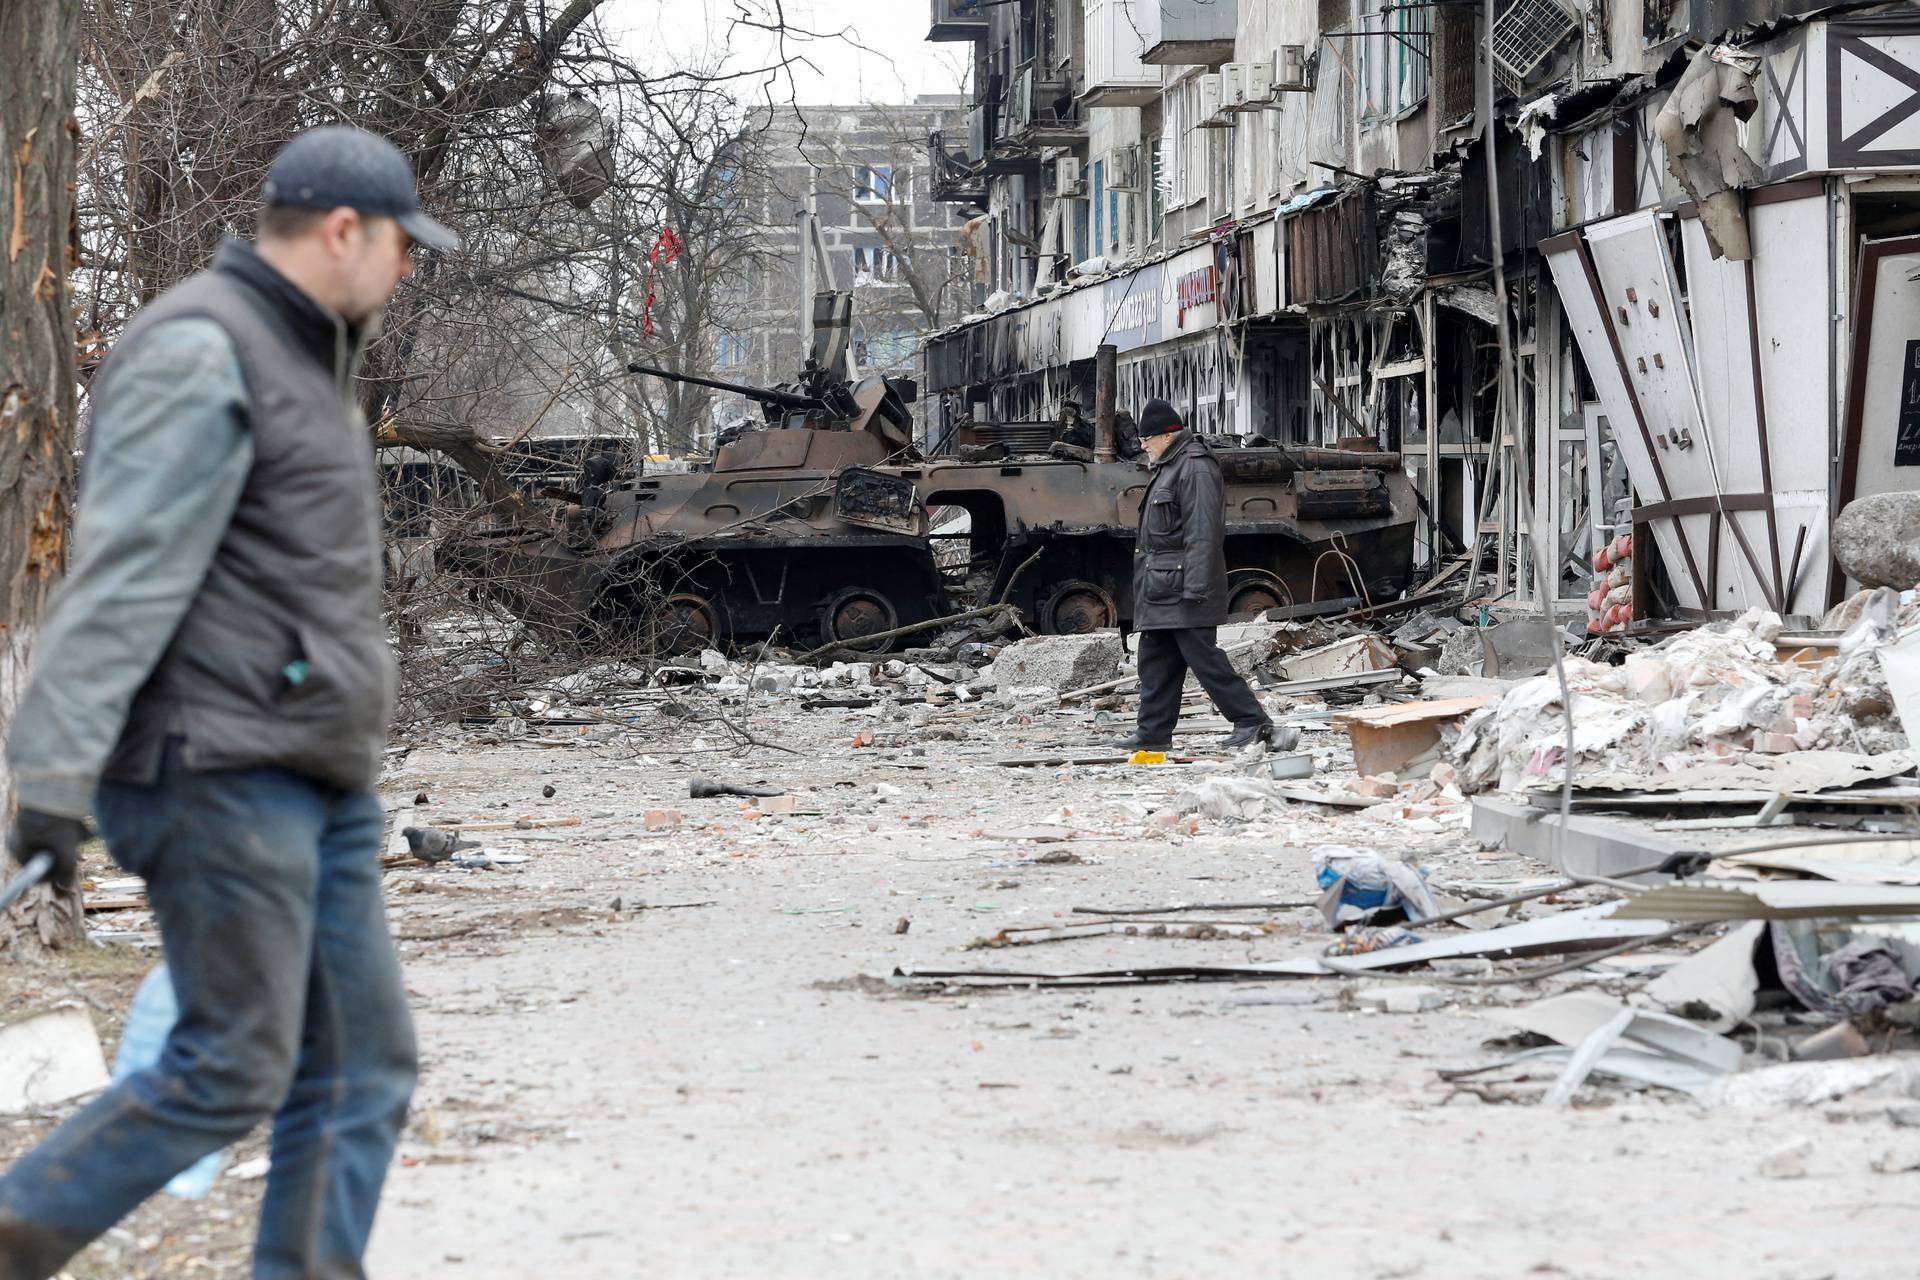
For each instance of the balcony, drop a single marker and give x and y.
(1188, 33)
(958, 20)
(1116, 75)
(1041, 112)
(957, 179)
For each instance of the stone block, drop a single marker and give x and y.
(1059, 663)
(1877, 540)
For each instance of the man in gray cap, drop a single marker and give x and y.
(213, 684)
(1180, 587)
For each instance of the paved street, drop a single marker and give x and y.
(726, 1091)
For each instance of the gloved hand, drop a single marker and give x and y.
(36, 832)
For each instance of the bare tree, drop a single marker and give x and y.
(869, 175)
(37, 52)
(901, 212)
(709, 174)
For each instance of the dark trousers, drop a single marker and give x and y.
(1165, 658)
(267, 890)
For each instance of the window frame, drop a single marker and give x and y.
(866, 190)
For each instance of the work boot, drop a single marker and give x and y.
(1134, 742)
(1248, 734)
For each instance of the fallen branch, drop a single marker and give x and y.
(524, 824)
(983, 611)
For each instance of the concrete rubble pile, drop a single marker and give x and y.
(1723, 691)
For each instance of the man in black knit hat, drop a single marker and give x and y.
(1180, 587)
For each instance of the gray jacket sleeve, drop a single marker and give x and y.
(166, 461)
(1203, 497)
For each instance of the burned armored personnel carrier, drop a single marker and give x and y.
(827, 524)
(1054, 535)
(796, 529)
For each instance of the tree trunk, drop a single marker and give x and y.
(38, 57)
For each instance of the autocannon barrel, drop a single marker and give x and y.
(766, 395)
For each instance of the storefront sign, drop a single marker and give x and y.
(1133, 309)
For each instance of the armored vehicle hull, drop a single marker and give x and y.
(815, 536)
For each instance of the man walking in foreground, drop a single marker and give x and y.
(213, 682)
(1180, 587)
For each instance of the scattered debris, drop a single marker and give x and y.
(1788, 1160)
(1360, 883)
(1396, 998)
(1710, 901)
(708, 789)
(1812, 1084)
(1131, 926)
(1393, 738)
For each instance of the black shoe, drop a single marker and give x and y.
(1248, 734)
(1134, 742)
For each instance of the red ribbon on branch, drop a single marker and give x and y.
(665, 250)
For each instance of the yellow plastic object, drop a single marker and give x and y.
(1147, 757)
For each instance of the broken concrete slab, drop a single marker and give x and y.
(1580, 845)
(1356, 655)
(1522, 647)
(1247, 645)
(1461, 654)
(1058, 663)
(50, 1058)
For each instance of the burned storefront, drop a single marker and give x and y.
(1735, 274)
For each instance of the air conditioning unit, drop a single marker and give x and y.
(1126, 169)
(1067, 179)
(1233, 86)
(1292, 72)
(1209, 114)
(1256, 83)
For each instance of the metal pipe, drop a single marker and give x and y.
(1104, 378)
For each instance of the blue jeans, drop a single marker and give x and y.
(267, 890)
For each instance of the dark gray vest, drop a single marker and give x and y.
(282, 659)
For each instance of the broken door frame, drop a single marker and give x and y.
(1777, 576)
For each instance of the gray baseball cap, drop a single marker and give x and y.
(337, 166)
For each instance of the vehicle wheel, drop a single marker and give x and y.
(1075, 608)
(858, 612)
(686, 623)
(1254, 591)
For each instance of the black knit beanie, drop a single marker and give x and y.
(1158, 418)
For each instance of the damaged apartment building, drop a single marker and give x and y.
(1664, 311)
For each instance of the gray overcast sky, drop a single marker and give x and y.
(895, 65)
